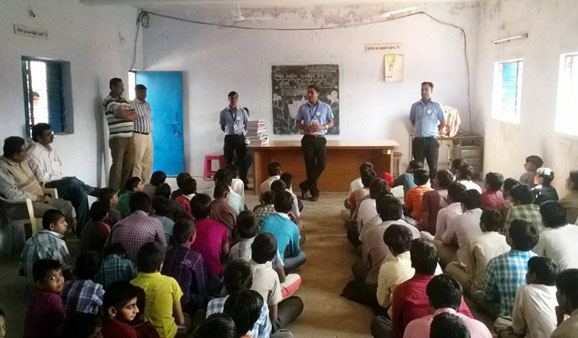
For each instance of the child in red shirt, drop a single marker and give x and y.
(120, 308)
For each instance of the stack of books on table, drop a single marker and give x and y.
(257, 133)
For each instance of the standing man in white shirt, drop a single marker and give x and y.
(47, 167)
(142, 135)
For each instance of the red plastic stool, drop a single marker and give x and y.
(208, 172)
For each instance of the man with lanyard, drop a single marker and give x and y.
(233, 122)
(424, 116)
(142, 137)
(314, 118)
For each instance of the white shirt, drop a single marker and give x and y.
(266, 283)
(266, 185)
(534, 311)
(445, 215)
(561, 245)
(354, 185)
(295, 209)
(367, 211)
(480, 251)
(463, 228)
(45, 163)
(238, 186)
(471, 185)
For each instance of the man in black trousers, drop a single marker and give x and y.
(233, 122)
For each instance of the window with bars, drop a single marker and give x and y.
(47, 94)
(566, 108)
(507, 90)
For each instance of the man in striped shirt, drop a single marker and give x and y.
(120, 117)
(142, 137)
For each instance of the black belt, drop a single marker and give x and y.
(138, 132)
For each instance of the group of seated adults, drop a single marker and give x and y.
(510, 247)
(188, 252)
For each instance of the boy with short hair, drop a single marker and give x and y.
(115, 267)
(274, 171)
(465, 176)
(187, 266)
(533, 162)
(180, 180)
(505, 273)
(212, 240)
(267, 205)
(110, 197)
(524, 208)
(157, 178)
(534, 313)
(433, 201)
(95, 232)
(163, 293)
(407, 179)
(287, 178)
(414, 196)
(567, 296)
(237, 184)
(445, 215)
(221, 211)
(558, 240)
(235, 200)
(82, 295)
(120, 308)
(134, 184)
(188, 189)
(352, 203)
(543, 190)
(493, 198)
(47, 243)
(45, 314)
(162, 210)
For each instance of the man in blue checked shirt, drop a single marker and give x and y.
(428, 119)
(233, 121)
(314, 118)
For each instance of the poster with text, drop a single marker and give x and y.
(290, 84)
(393, 67)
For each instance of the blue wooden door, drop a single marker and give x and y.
(164, 93)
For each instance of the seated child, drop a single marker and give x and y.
(221, 211)
(570, 201)
(446, 215)
(507, 272)
(157, 178)
(446, 325)
(162, 211)
(212, 240)
(95, 232)
(433, 201)
(245, 309)
(266, 207)
(509, 184)
(235, 200)
(163, 293)
(566, 314)
(544, 191)
(133, 185)
(407, 179)
(465, 175)
(367, 215)
(279, 187)
(82, 295)
(217, 325)
(266, 282)
(187, 267)
(274, 171)
(237, 184)
(479, 251)
(188, 189)
(115, 267)
(119, 306)
(534, 307)
(238, 278)
(45, 314)
(287, 178)
(110, 197)
(558, 240)
(47, 243)
(82, 325)
(285, 231)
(359, 195)
(414, 196)
(180, 180)
(144, 329)
(533, 162)
(163, 190)
(493, 198)
(456, 164)
(523, 208)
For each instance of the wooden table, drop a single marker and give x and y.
(343, 160)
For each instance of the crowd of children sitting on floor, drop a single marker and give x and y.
(511, 248)
(155, 263)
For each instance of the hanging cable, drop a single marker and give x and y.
(142, 19)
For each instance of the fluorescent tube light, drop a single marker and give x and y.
(516, 37)
(397, 12)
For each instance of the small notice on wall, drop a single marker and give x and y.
(382, 47)
(393, 67)
(32, 32)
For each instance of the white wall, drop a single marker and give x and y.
(215, 61)
(90, 39)
(552, 27)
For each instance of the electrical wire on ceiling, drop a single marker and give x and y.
(143, 20)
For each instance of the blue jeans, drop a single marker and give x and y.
(292, 263)
(74, 190)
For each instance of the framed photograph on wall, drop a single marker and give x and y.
(393, 67)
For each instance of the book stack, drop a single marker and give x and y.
(257, 133)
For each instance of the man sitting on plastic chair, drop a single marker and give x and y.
(18, 183)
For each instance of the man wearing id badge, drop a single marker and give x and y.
(233, 121)
(428, 119)
(314, 118)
